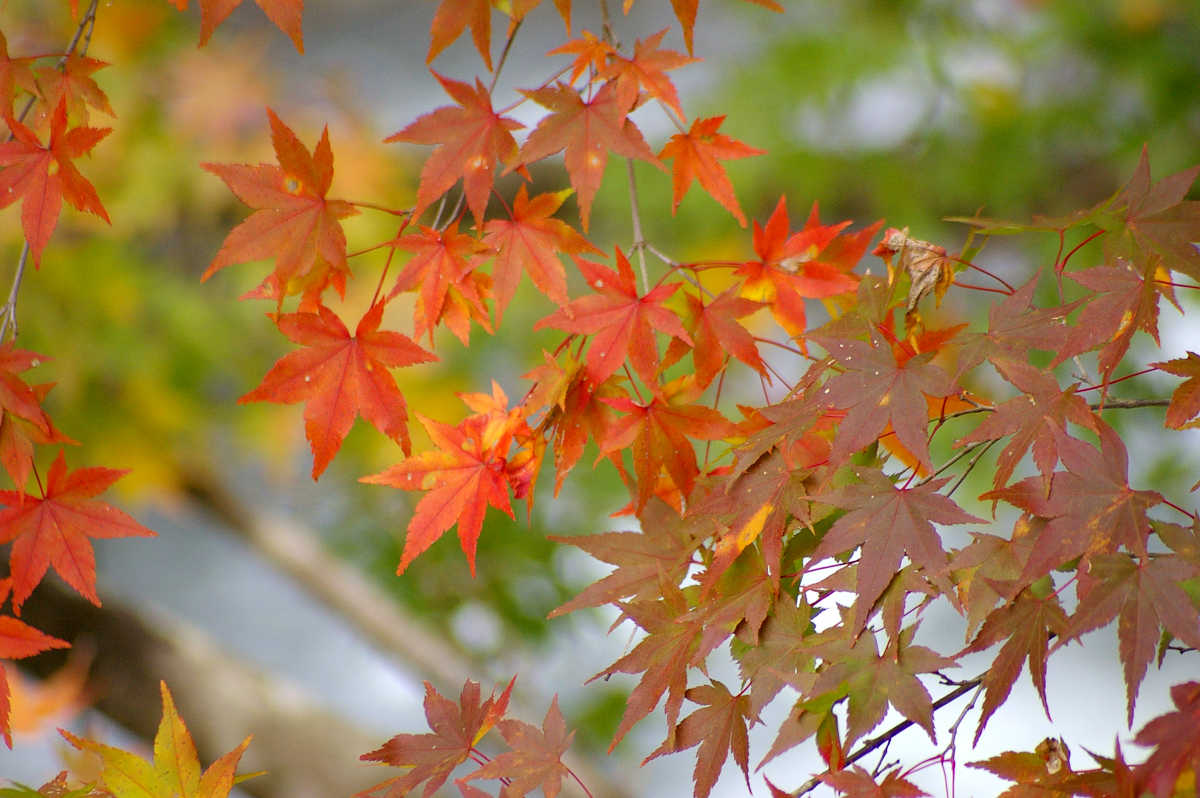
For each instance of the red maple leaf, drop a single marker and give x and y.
(467, 471)
(43, 176)
(15, 74)
(588, 130)
(1144, 594)
(875, 390)
(442, 270)
(53, 530)
(341, 376)
(807, 264)
(854, 782)
(647, 70)
(658, 435)
(531, 240)
(1176, 737)
(1154, 221)
(662, 550)
(719, 727)
(286, 14)
(1026, 625)
(621, 321)
(293, 221)
(536, 756)
(1185, 401)
(471, 138)
(455, 730)
(696, 155)
(1091, 507)
(888, 523)
(1029, 419)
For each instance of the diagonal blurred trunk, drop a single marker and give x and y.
(307, 751)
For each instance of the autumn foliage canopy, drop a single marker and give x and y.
(805, 526)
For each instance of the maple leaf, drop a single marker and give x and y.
(808, 264)
(73, 82)
(15, 74)
(17, 641)
(1031, 770)
(1029, 419)
(53, 530)
(876, 390)
(591, 53)
(455, 730)
(719, 727)
(755, 505)
(340, 376)
(717, 332)
(621, 320)
(1091, 507)
(781, 653)
(1185, 401)
(175, 772)
(1126, 301)
(661, 551)
(1015, 326)
(1145, 595)
(888, 523)
(696, 154)
(587, 130)
(465, 473)
(536, 758)
(293, 222)
(647, 69)
(23, 421)
(872, 680)
(662, 657)
(43, 176)
(854, 782)
(1153, 221)
(1025, 624)
(285, 14)
(1176, 741)
(452, 18)
(471, 138)
(658, 436)
(685, 12)
(531, 240)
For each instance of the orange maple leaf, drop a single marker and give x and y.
(588, 130)
(531, 241)
(468, 471)
(648, 70)
(53, 530)
(286, 14)
(442, 270)
(452, 18)
(293, 222)
(471, 138)
(813, 263)
(23, 421)
(622, 321)
(17, 641)
(340, 377)
(43, 176)
(696, 154)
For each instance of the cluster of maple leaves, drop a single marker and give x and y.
(750, 530)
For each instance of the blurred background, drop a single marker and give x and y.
(269, 603)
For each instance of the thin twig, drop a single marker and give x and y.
(883, 739)
(9, 311)
(639, 240)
